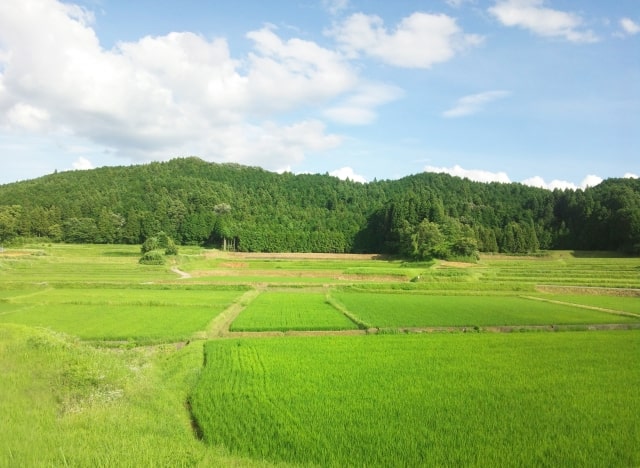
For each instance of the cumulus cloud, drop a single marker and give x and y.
(537, 181)
(629, 26)
(418, 41)
(176, 94)
(347, 173)
(26, 116)
(474, 103)
(630, 175)
(547, 22)
(477, 175)
(82, 164)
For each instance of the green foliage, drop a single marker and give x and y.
(248, 209)
(150, 245)
(153, 257)
(151, 249)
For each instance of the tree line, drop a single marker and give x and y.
(249, 209)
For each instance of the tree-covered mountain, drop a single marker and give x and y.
(250, 209)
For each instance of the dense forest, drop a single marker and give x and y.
(250, 209)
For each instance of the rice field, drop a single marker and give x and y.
(533, 399)
(391, 394)
(284, 311)
(137, 315)
(420, 310)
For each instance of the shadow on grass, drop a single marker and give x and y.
(598, 254)
(120, 253)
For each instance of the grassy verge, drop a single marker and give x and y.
(74, 405)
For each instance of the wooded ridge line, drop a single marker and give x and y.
(253, 210)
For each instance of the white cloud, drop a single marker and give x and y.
(537, 181)
(547, 22)
(477, 175)
(630, 175)
(345, 173)
(285, 74)
(359, 108)
(26, 116)
(474, 103)
(629, 26)
(418, 41)
(177, 94)
(590, 181)
(480, 175)
(82, 164)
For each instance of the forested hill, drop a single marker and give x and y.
(251, 209)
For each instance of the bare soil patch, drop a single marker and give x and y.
(293, 255)
(182, 274)
(599, 291)
(234, 265)
(333, 275)
(15, 253)
(447, 264)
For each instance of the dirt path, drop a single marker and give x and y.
(293, 255)
(178, 271)
(219, 326)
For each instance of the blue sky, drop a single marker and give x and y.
(544, 92)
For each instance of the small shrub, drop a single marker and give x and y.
(149, 245)
(171, 248)
(155, 257)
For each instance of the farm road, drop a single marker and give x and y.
(219, 326)
(183, 274)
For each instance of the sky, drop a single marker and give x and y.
(542, 92)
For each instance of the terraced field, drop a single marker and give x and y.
(102, 360)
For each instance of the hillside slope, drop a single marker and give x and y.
(196, 202)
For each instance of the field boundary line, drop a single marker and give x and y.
(584, 306)
(219, 326)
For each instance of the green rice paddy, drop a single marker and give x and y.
(537, 399)
(416, 310)
(291, 311)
